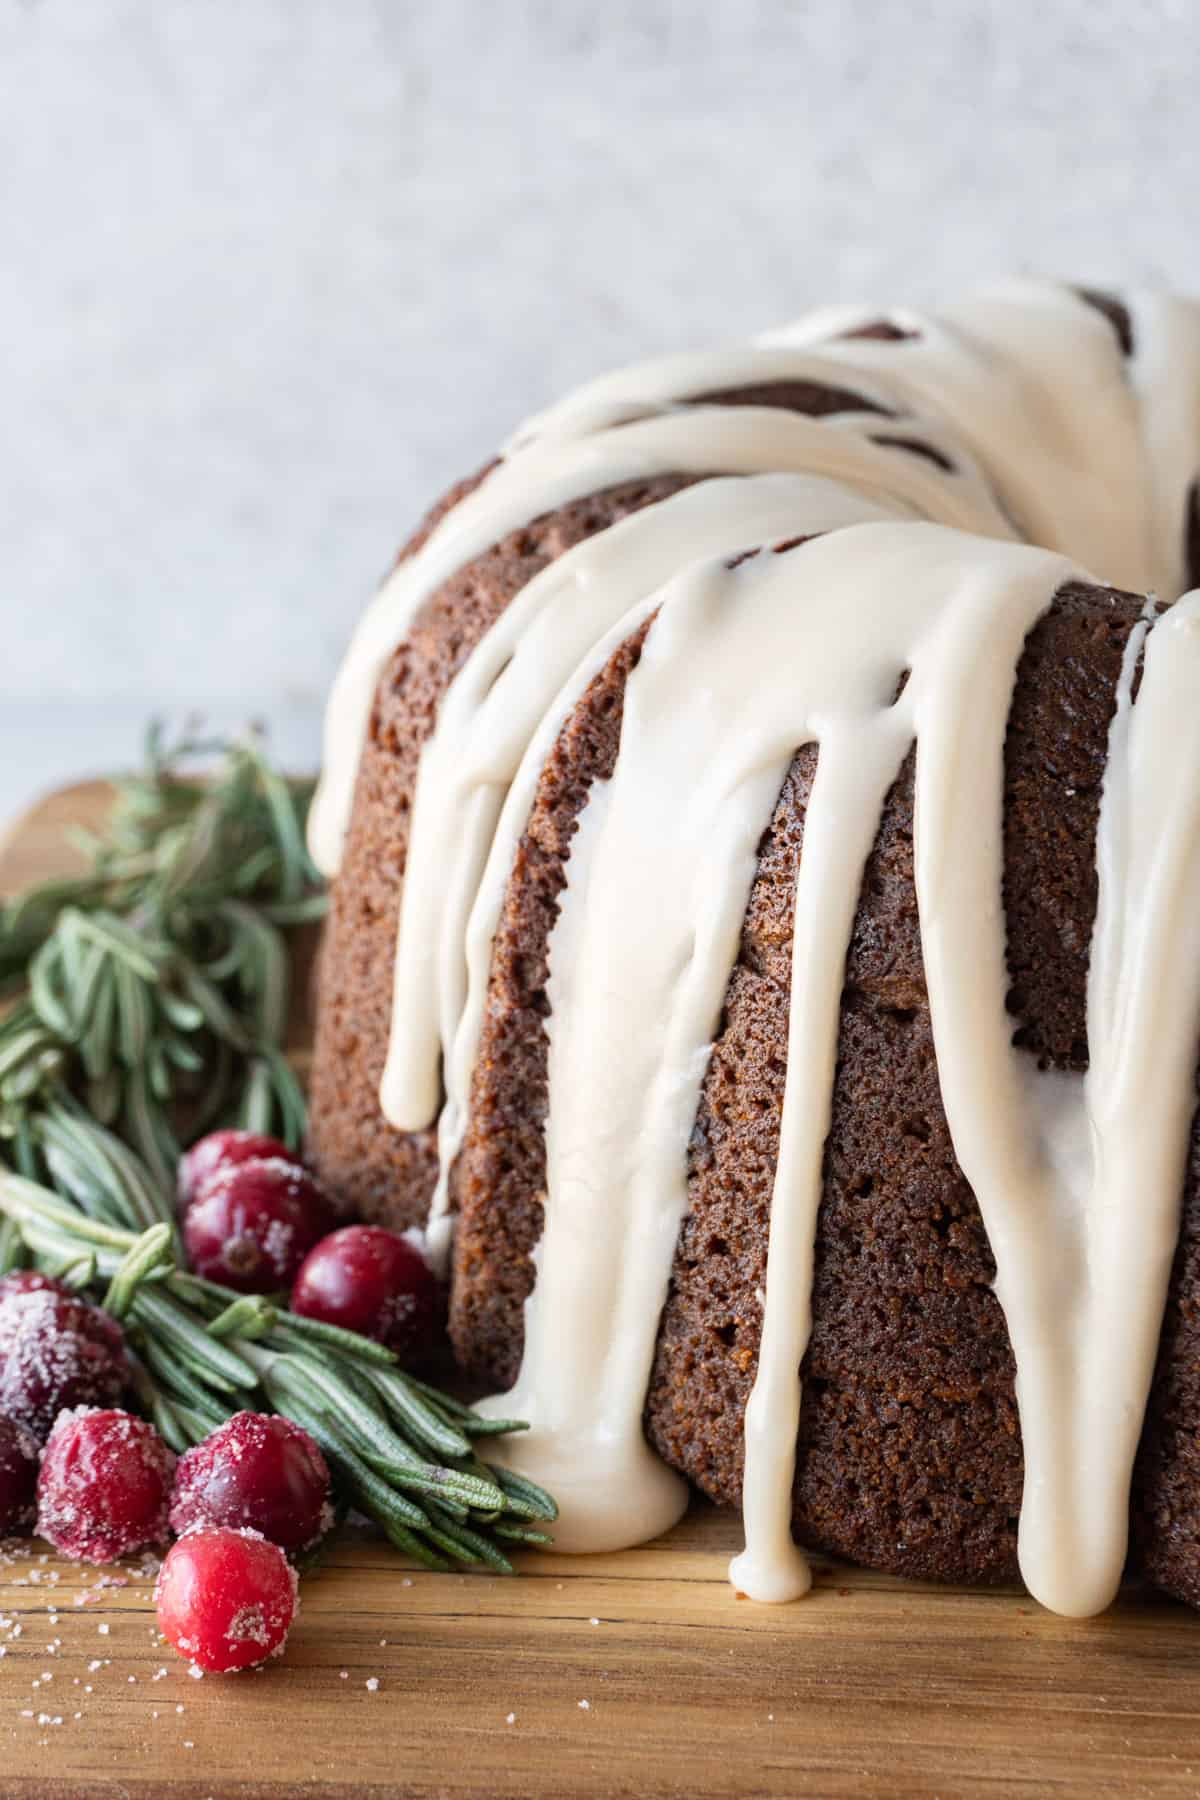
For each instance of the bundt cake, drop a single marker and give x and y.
(768, 903)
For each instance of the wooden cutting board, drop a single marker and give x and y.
(633, 1674)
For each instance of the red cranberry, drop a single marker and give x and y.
(252, 1225)
(18, 1477)
(371, 1281)
(56, 1351)
(257, 1472)
(226, 1599)
(31, 1281)
(104, 1485)
(225, 1150)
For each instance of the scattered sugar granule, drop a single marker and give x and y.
(373, 1685)
(383, 1643)
(585, 1706)
(407, 1582)
(196, 1672)
(511, 1719)
(179, 1709)
(593, 1621)
(103, 1630)
(344, 1675)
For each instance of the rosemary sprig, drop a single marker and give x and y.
(155, 1005)
(157, 982)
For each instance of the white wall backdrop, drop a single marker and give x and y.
(272, 272)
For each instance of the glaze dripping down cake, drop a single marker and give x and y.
(765, 949)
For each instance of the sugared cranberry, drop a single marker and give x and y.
(31, 1281)
(18, 1477)
(56, 1351)
(225, 1150)
(104, 1485)
(371, 1281)
(253, 1224)
(258, 1472)
(226, 1599)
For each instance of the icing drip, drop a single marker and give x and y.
(1031, 378)
(490, 716)
(703, 440)
(1031, 422)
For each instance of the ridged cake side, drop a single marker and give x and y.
(910, 1454)
(375, 1170)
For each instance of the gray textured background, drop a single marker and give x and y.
(275, 271)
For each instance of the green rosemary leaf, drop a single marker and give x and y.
(197, 1421)
(371, 1492)
(140, 955)
(33, 1205)
(104, 1096)
(410, 1545)
(183, 1055)
(214, 1361)
(95, 1199)
(472, 1546)
(413, 1413)
(151, 1249)
(308, 911)
(23, 1037)
(294, 1331)
(77, 1271)
(521, 1534)
(44, 994)
(134, 1015)
(219, 1016)
(287, 834)
(148, 1128)
(12, 1246)
(184, 1015)
(249, 1317)
(24, 1150)
(96, 1010)
(258, 1098)
(540, 1504)
(53, 1249)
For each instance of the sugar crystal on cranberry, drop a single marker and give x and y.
(221, 1150)
(104, 1485)
(56, 1351)
(256, 1471)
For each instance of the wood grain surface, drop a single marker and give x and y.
(632, 1674)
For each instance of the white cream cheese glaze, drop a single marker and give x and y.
(1051, 435)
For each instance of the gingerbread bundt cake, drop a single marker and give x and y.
(768, 899)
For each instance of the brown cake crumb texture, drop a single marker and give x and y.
(909, 1456)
